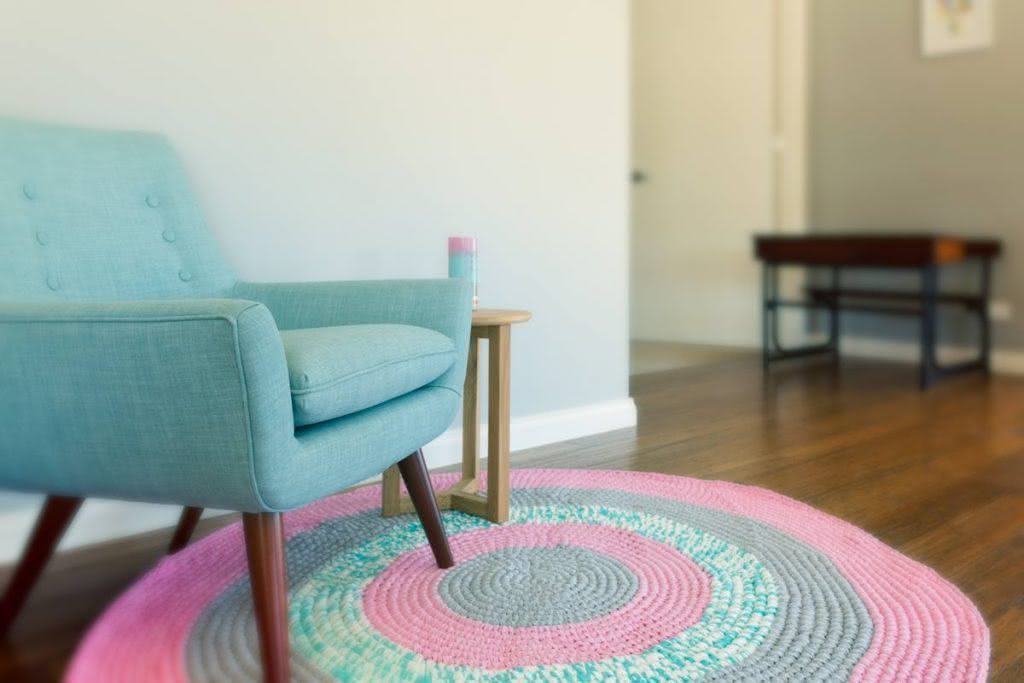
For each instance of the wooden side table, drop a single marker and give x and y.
(494, 325)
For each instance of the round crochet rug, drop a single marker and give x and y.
(598, 576)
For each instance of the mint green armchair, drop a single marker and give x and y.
(133, 365)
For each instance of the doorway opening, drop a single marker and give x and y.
(718, 144)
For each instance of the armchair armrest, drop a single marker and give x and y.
(444, 305)
(175, 401)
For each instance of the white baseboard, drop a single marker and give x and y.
(1004, 361)
(104, 520)
(540, 429)
(98, 521)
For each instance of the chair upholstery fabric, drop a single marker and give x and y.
(334, 371)
(99, 215)
(133, 365)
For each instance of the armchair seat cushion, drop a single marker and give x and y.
(336, 371)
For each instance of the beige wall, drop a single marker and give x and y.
(907, 143)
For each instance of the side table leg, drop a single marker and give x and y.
(471, 419)
(498, 423)
(391, 503)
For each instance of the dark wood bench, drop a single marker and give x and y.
(924, 253)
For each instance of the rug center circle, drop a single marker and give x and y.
(538, 586)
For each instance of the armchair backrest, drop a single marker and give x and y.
(99, 215)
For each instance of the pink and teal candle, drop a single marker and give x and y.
(462, 261)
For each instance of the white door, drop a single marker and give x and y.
(704, 85)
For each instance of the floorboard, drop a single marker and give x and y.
(938, 475)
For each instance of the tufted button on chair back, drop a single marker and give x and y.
(99, 215)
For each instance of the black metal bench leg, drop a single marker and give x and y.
(983, 316)
(772, 347)
(929, 322)
(767, 312)
(833, 317)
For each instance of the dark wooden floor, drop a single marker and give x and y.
(939, 475)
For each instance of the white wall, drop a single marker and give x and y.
(336, 139)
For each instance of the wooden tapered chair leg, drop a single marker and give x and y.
(186, 525)
(421, 491)
(264, 547)
(56, 515)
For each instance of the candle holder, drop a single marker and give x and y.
(462, 261)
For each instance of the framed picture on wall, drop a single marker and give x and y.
(949, 26)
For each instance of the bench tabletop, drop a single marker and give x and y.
(872, 250)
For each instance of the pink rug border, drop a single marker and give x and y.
(124, 645)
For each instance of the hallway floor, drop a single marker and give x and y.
(654, 356)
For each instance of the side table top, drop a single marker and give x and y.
(485, 317)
